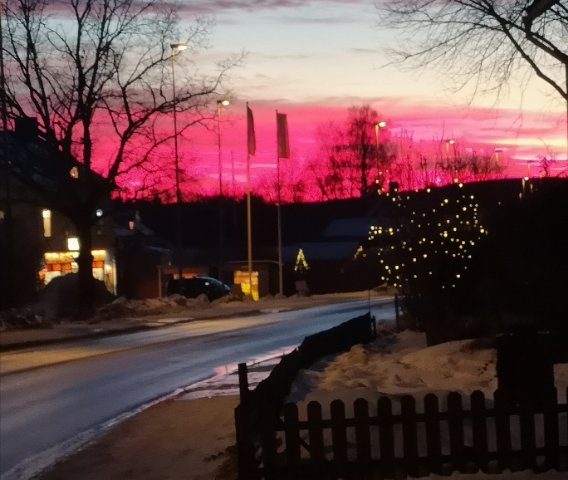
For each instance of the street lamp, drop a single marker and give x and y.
(498, 151)
(177, 47)
(220, 105)
(378, 126)
(452, 142)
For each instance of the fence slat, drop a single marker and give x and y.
(338, 433)
(268, 442)
(503, 429)
(292, 437)
(551, 432)
(564, 463)
(247, 466)
(455, 427)
(409, 435)
(528, 440)
(479, 430)
(386, 435)
(315, 436)
(433, 442)
(362, 432)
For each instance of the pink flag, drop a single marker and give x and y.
(282, 135)
(251, 139)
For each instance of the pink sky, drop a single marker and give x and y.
(314, 59)
(523, 137)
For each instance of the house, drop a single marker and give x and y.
(326, 263)
(38, 242)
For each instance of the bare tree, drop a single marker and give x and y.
(96, 75)
(484, 42)
(352, 158)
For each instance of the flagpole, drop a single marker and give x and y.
(279, 215)
(249, 228)
(249, 216)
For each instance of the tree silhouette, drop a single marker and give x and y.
(96, 76)
(484, 42)
(352, 159)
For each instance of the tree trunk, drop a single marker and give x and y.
(85, 263)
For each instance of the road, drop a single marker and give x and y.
(47, 411)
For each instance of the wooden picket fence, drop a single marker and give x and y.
(399, 437)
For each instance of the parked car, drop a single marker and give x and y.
(195, 286)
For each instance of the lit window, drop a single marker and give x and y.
(46, 215)
(74, 172)
(73, 244)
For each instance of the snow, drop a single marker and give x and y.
(396, 364)
(402, 364)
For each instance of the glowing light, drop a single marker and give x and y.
(73, 244)
(178, 47)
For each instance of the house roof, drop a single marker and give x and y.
(351, 228)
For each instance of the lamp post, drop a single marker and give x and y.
(378, 126)
(177, 47)
(220, 105)
(452, 142)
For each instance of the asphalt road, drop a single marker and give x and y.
(46, 412)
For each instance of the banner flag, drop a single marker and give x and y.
(251, 139)
(282, 135)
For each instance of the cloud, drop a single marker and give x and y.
(216, 6)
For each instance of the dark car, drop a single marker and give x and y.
(195, 286)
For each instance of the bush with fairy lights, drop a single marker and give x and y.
(456, 254)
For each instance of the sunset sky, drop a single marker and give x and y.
(313, 59)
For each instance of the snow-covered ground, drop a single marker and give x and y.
(395, 365)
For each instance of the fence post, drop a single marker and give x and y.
(502, 408)
(362, 434)
(246, 463)
(409, 435)
(479, 430)
(551, 432)
(397, 315)
(456, 431)
(243, 382)
(292, 437)
(433, 436)
(386, 436)
(317, 465)
(339, 436)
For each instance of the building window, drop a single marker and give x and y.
(46, 215)
(73, 244)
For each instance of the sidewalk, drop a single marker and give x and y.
(190, 436)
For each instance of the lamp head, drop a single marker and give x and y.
(223, 103)
(381, 124)
(178, 47)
